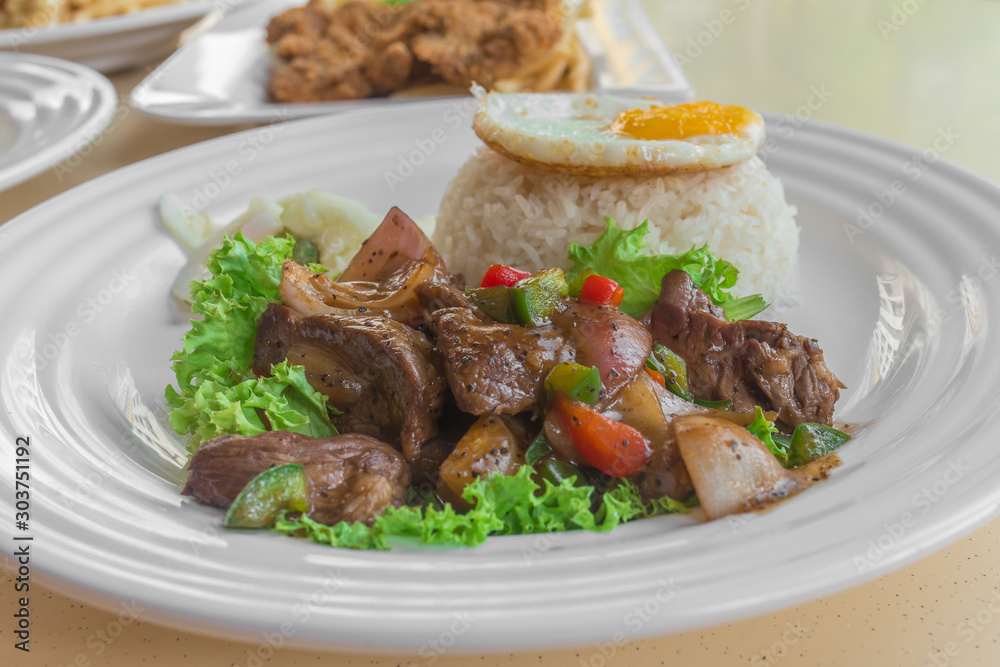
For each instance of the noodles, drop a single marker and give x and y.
(566, 67)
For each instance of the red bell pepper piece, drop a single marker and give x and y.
(499, 275)
(602, 291)
(614, 448)
(656, 375)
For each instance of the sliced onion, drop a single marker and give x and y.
(730, 468)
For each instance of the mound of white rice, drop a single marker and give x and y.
(498, 211)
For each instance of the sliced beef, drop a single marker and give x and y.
(606, 338)
(750, 362)
(438, 296)
(382, 375)
(496, 368)
(382, 278)
(348, 477)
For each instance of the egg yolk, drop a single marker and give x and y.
(681, 121)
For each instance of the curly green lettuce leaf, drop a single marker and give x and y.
(513, 505)
(217, 392)
(244, 280)
(765, 431)
(620, 254)
(286, 399)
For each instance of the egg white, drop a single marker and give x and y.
(572, 133)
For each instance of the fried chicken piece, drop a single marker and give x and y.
(364, 49)
(483, 45)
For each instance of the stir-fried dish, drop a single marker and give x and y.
(353, 49)
(394, 403)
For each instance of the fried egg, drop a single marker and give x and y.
(602, 135)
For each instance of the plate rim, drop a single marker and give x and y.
(52, 154)
(11, 38)
(985, 507)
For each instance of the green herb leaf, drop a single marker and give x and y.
(217, 406)
(620, 254)
(218, 392)
(743, 308)
(501, 506)
(765, 431)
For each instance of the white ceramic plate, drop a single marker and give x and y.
(903, 312)
(49, 109)
(114, 43)
(220, 77)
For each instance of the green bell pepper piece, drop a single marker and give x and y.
(715, 405)
(266, 495)
(673, 369)
(812, 441)
(495, 302)
(576, 284)
(538, 450)
(581, 383)
(529, 302)
(536, 297)
(555, 471)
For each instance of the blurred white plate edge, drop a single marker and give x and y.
(36, 146)
(114, 43)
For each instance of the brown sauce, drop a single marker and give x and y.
(798, 480)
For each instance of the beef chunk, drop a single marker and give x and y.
(438, 296)
(750, 362)
(348, 477)
(496, 368)
(382, 375)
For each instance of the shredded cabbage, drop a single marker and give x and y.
(337, 225)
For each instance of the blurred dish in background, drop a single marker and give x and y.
(222, 76)
(38, 13)
(351, 49)
(49, 110)
(107, 35)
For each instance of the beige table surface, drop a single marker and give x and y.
(906, 70)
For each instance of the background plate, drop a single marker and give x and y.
(49, 109)
(902, 304)
(220, 77)
(114, 43)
